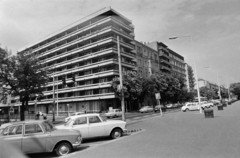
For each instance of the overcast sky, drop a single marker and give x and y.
(213, 24)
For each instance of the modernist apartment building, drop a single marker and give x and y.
(163, 53)
(177, 64)
(147, 59)
(87, 50)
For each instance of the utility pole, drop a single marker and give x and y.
(53, 108)
(121, 81)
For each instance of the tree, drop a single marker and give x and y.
(235, 89)
(132, 86)
(191, 78)
(207, 92)
(22, 76)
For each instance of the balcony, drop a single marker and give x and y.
(77, 98)
(165, 68)
(164, 55)
(165, 62)
(86, 28)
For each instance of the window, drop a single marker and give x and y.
(90, 92)
(33, 128)
(13, 130)
(94, 119)
(80, 121)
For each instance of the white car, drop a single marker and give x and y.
(190, 106)
(114, 113)
(95, 125)
(146, 109)
(74, 114)
(206, 104)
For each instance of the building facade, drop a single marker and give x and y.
(147, 59)
(85, 54)
(163, 54)
(177, 64)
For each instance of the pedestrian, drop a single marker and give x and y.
(85, 110)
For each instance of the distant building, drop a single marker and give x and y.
(163, 53)
(177, 64)
(147, 59)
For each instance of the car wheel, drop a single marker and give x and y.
(116, 133)
(63, 149)
(187, 110)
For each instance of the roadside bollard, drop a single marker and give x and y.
(208, 113)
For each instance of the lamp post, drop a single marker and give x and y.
(53, 108)
(121, 81)
(195, 67)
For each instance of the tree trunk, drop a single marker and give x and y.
(22, 110)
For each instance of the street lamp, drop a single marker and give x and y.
(121, 79)
(198, 92)
(219, 88)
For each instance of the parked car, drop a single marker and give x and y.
(41, 113)
(190, 106)
(37, 136)
(74, 114)
(146, 109)
(205, 104)
(95, 125)
(157, 108)
(169, 106)
(113, 113)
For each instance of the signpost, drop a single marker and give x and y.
(158, 97)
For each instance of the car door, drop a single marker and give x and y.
(96, 126)
(13, 134)
(81, 125)
(34, 139)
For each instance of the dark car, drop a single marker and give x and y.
(157, 108)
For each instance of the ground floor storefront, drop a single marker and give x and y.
(95, 106)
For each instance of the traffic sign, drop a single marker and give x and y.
(157, 95)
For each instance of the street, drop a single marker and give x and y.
(90, 143)
(179, 134)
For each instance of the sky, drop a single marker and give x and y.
(214, 26)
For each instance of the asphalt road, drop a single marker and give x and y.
(177, 135)
(92, 143)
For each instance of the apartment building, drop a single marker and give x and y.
(85, 54)
(147, 59)
(163, 53)
(177, 64)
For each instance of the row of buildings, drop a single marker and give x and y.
(87, 50)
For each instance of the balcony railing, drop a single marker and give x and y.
(86, 28)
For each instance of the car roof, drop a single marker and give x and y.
(84, 115)
(23, 122)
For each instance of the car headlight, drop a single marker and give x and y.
(78, 140)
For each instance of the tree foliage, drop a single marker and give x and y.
(22, 76)
(235, 89)
(191, 78)
(171, 87)
(209, 93)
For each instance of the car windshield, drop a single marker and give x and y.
(48, 126)
(1, 129)
(68, 122)
(103, 117)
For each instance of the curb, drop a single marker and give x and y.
(133, 130)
